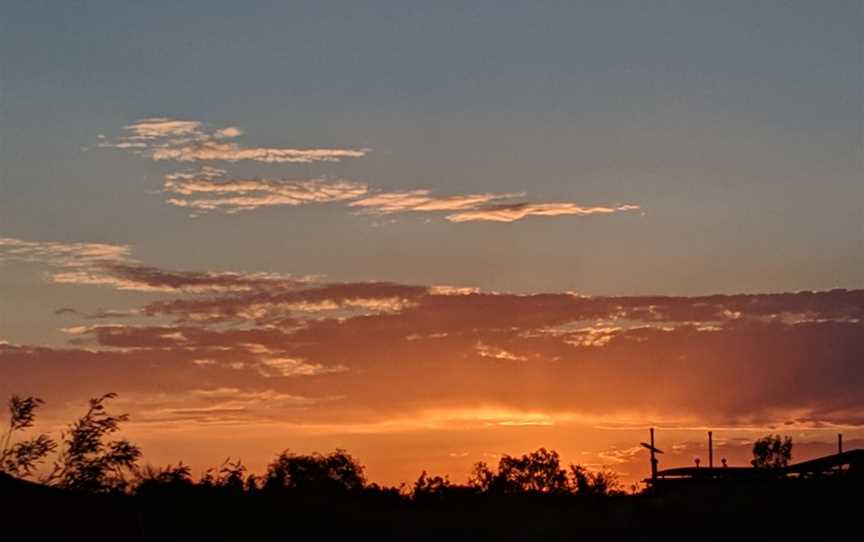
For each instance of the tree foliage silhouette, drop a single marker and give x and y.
(537, 472)
(431, 487)
(149, 478)
(772, 452)
(315, 473)
(230, 476)
(602, 482)
(86, 460)
(21, 458)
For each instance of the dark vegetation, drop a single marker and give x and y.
(772, 452)
(96, 489)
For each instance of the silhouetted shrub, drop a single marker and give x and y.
(315, 473)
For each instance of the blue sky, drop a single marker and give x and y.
(736, 127)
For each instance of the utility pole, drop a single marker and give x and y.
(653, 450)
(710, 450)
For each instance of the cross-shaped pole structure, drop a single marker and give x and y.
(653, 450)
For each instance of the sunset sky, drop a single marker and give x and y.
(434, 233)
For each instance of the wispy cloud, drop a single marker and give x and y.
(207, 191)
(70, 255)
(155, 128)
(110, 265)
(422, 200)
(511, 212)
(475, 207)
(210, 189)
(188, 141)
(272, 305)
(214, 405)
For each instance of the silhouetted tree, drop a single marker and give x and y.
(252, 483)
(772, 452)
(171, 477)
(86, 461)
(229, 477)
(315, 473)
(20, 458)
(537, 472)
(483, 478)
(602, 482)
(430, 487)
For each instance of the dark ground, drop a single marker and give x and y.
(784, 510)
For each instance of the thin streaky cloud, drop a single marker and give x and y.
(179, 140)
(511, 212)
(232, 152)
(475, 207)
(206, 191)
(110, 265)
(72, 255)
(422, 200)
(155, 128)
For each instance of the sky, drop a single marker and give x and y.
(434, 233)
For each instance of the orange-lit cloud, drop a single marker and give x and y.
(71, 255)
(422, 200)
(510, 212)
(210, 189)
(187, 141)
(206, 191)
(551, 353)
(475, 207)
(111, 265)
(315, 358)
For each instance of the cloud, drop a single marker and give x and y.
(421, 200)
(302, 359)
(474, 207)
(498, 353)
(98, 314)
(217, 405)
(232, 152)
(510, 212)
(187, 141)
(71, 255)
(111, 265)
(206, 191)
(210, 190)
(269, 305)
(468, 368)
(740, 360)
(156, 128)
(134, 276)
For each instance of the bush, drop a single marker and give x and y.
(315, 473)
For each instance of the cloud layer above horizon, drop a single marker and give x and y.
(335, 351)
